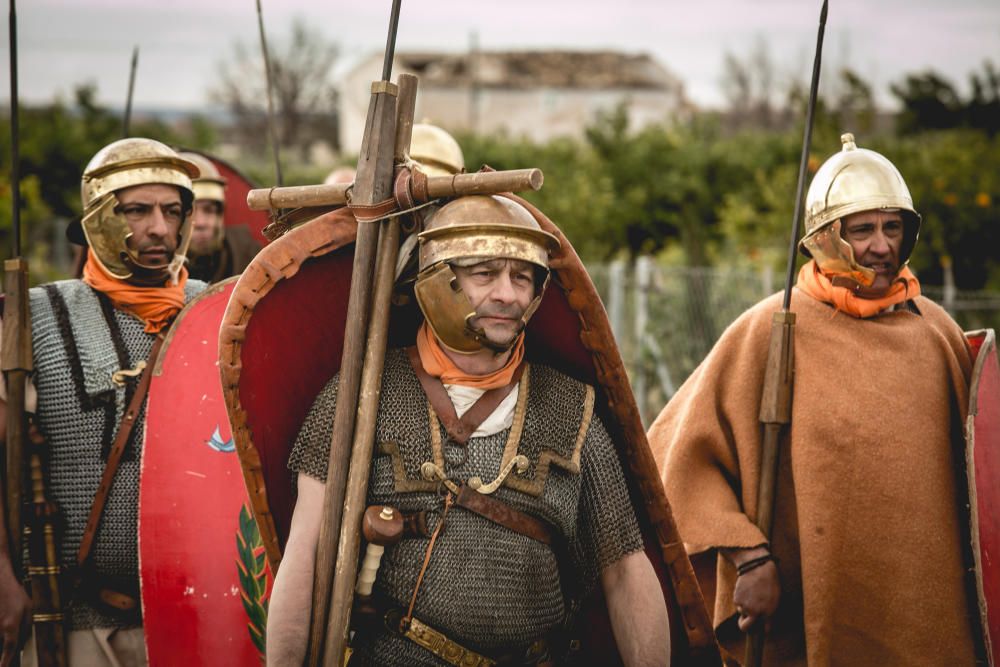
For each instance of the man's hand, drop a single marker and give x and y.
(15, 613)
(757, 592)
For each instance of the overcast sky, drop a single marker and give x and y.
(67, 42)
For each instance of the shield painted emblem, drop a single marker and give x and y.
(203, 570)
(982, 437)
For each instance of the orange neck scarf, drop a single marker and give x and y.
(438, 364)
(155, 306)
(814, 283)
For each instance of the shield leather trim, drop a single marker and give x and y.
(982, 452)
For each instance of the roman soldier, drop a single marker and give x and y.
(94, 345)
(509, 455)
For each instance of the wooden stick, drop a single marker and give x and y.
(345, 572)
(372, 185)
(479, 183)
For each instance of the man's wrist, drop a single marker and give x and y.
(738, 556)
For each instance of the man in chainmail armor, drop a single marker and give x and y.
(91, 340)
(465, 426)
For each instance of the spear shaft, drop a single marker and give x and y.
(127, 120)
(14, 444)
(804, 159)
(372, 184)
(16, 363)
(271, 120)
(15, 150)
(779, 374)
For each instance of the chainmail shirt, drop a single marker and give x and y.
(486, 586)
(79, 339)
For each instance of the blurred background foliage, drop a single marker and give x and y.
(715, 190)
(720, 191)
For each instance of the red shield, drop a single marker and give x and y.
(282, 338)
(982, 436)
(202, 566)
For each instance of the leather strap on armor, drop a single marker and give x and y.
(505, 515)
(460, 429)
(115, 455)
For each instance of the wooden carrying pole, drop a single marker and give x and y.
(345, 573)
(485, 182)
(776, 400)
(372, 184)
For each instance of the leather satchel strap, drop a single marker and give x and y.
(115, 454)
(460, 429)
(504, 514)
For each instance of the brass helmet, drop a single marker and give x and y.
(467, 231)
(852, 181)
(209, 184)
(124, 164)
(437, 151)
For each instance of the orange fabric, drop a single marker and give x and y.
(868, 521)
(816, 284)
(438, 364)
(155, 306)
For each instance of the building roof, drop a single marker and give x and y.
(534, 69)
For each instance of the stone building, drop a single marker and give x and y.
(537, 94)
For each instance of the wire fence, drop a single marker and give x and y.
(666, 319)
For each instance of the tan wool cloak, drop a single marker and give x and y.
(869, 526)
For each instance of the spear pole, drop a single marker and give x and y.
(127, 120)
(779, 374)
(16, 363)
(271, 120)
(372, 185)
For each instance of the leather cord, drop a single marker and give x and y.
(115, 455)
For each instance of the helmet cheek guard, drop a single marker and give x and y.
(446, 308)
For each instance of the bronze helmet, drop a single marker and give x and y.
(437, 151)
(123, 164)
(469, 230)
(209, 184)
(852, 181)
